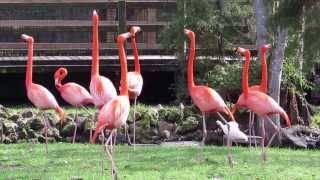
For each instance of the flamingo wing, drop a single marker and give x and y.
(41, 97)
(75, 94)
(135, 83)
(102, 90)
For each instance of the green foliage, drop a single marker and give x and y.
(227, 77)
(292, 79)
(210, 23)
(316, 119)
(83, 161)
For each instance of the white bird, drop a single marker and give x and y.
(235, 133)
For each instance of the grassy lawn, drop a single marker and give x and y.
(67, 161)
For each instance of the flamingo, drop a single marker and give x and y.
(101, 88)
(205, 98)
(258, 102)
(262, 87)
(135, 79)
(40, 96)
(72, 93)
(115, 113)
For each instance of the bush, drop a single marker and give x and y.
(316, 119)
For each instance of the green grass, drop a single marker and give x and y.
(154, 162)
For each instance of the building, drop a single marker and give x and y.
(63, 27)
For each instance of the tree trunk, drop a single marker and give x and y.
(281, 36)
(300, 52)
(261, 29)
(180, 75)
(261, 20)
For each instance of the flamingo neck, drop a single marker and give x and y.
(190, 62)
(245, 74)
(135, 54)
(58, 82)
(28, 81)
(264, 72)
(124, 70)
(95, 50)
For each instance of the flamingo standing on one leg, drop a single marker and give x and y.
(258, 102)
(101, 88)
(135, 79)
(263, 87)
(37, 94)
(206, 99)
(115, 113)
(72, 93)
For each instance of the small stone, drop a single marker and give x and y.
(14, 117)
(27, 113)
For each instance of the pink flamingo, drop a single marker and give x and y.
(258, 102)
(72, 93)
(263, 87)
(37, 94)
(135, 79)
(101, 88)
(115, 113)
(206, 99)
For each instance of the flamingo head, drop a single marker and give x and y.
(134, 30)
(265, 47)
(95, 18)
(60, 74)
(189, 33)
(243, 51)
(123, 37)
(27, 38)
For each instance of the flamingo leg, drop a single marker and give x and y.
(134, 123)
(253, 131)
(108, 148)
(127, 134)
(45, 130)
(86, 109)
(249, 127)
(204, 129)
(277, 131)
(229, 142)
(263, 153)
(75, 126)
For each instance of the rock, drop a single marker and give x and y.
(9, 127)
(53, 132)
(27, 113)
(87, 125)
(42, 139)
(188, 125)
(23, 123)
(166, 130)
(36, 123)
(4, 112)
(14, 118)
(68, 129)
(300, 136)
(52, 119)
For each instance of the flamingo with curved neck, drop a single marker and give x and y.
(37, 94)
(72, 93)
(115, 113)
(101, 88)
(258, 102)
